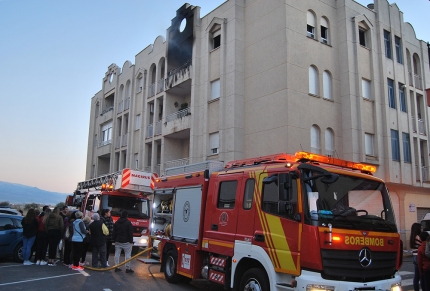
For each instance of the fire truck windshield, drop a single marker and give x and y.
(349, 202)
(136, 207)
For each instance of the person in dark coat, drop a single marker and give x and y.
(98, 241)
(123, 237)
(29, 231)
(107, 220)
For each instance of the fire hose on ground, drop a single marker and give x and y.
(117, 266)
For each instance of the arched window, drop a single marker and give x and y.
(329, 142)
(315, 139)
(324, 30)
(313, 80)
(310, 24)
(327, 85)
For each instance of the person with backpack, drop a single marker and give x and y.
(78, 232)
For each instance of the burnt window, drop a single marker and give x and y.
(227, 194)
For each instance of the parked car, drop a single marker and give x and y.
(9, 210)
(11, 236)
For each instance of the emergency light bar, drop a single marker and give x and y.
(335, 162)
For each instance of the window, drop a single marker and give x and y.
(365, 89)
(227, 194)
(215, 36)
(369, 144)
(271, 202)
(214, 143)
(106, 133)
(391, 95)
(395, 150)
(387, 42)
(362, 37)
(215, 89)
(327, 85)
(313, 81)
(217, 41)
(310, 25)
(324, 31)
(402, 98)
(249, 194)
(329, 142)
(399, 51)
(315, 139)
(136, 161)
(406, 147)
(137, 126)
(139, 84)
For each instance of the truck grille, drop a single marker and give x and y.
(345, 266)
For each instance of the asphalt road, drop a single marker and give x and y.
(14, 276)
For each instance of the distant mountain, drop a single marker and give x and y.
(17, 193)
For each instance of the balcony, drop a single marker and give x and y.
(120, 107)
(179, 114)
(178, 75)
(124, 140)
(158, 127)
(178, 122)
(424, 173)
(118, 142)
(421, 127)
(414, 125)
(176, 163)
(151, 90)
(105, 142)
(160, 85)
(150, 131)
(418, 82)
(127, 104)
(106, 110)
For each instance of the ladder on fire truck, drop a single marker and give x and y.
(99, 181)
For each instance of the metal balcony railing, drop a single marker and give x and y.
(176, 163)
(158, 127)
(329, 153)
(180, 73)
(425, 174)
(151, 90)
(414, 126)
(178, 114)
(149, 131)
(105, 142)
(127, 103)
(118, 142)
(107, 110)
(160, 87)
(421, 127)
(411, 79)
(315, 150)
(124, 140)
(418, 82)
(120, 107)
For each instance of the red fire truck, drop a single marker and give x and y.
(279, 222)
(123, 190)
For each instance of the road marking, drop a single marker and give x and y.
(408, 282)
(401, 273)
(38, 279)
(11, 266)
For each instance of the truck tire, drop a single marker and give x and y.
(170, 272)
(17, 253)
(254, 280)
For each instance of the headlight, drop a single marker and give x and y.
(396, 287)
(315, 287)
(143, 241)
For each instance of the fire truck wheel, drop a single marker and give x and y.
(171, 260)
(254, 280)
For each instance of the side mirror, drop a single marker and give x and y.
(285, 181)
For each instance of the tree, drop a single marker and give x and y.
(31, 205)
(5, 203)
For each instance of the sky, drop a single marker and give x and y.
(53, 57)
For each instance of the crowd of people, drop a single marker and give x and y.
(420, 244)
(71, 233)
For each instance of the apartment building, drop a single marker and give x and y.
(259, 77)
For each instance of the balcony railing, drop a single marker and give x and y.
(107, 110)
(180, 73)
(411, 79)
(127, 103)
(421, 127)
(118, 142)
(176, 163)
(424, 171)
(160, 87)
(120, 107)
(315, 150)
(105, 142)
(329, 153)
(179, 114)
(418, 82)
(124, 140)
(158, 127)
(151, 90)
(149, 131)
(414, 126)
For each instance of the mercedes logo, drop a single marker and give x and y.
(365, 257)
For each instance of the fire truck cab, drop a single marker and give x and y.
(124, 190)
(279, 222)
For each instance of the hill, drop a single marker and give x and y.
(17, 193)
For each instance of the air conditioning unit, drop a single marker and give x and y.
(214, 151)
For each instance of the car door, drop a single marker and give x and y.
(9, 234)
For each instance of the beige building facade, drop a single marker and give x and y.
(258, 77)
